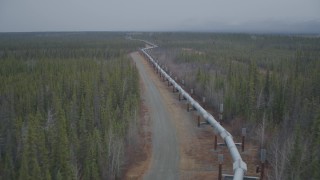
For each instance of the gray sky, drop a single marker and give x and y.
(160, 15)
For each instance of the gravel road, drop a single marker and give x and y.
(165, 147)
(180, 149)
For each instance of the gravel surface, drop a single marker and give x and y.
(165, 148)
(180, 149)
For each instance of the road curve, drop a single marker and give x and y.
(165, 147)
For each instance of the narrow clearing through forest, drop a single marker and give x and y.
(179, 150)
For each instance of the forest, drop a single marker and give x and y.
(68, 102)
(269, 84)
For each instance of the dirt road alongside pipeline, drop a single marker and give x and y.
(165, 148)
(180, 149)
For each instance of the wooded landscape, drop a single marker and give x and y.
(269, 84)
(67, 103)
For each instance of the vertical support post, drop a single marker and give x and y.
(242, 144)
(188, 107)
(220, 159)
(220, 172)
(263, 159)
(262, 171)
(173, 89)
(198, 120)
(215, 142)
(243, 138)
(221, 112)
(179, 96)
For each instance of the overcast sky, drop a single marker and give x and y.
(160, 15)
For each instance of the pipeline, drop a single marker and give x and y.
(239, 166)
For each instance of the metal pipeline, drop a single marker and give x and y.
(239, 166)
